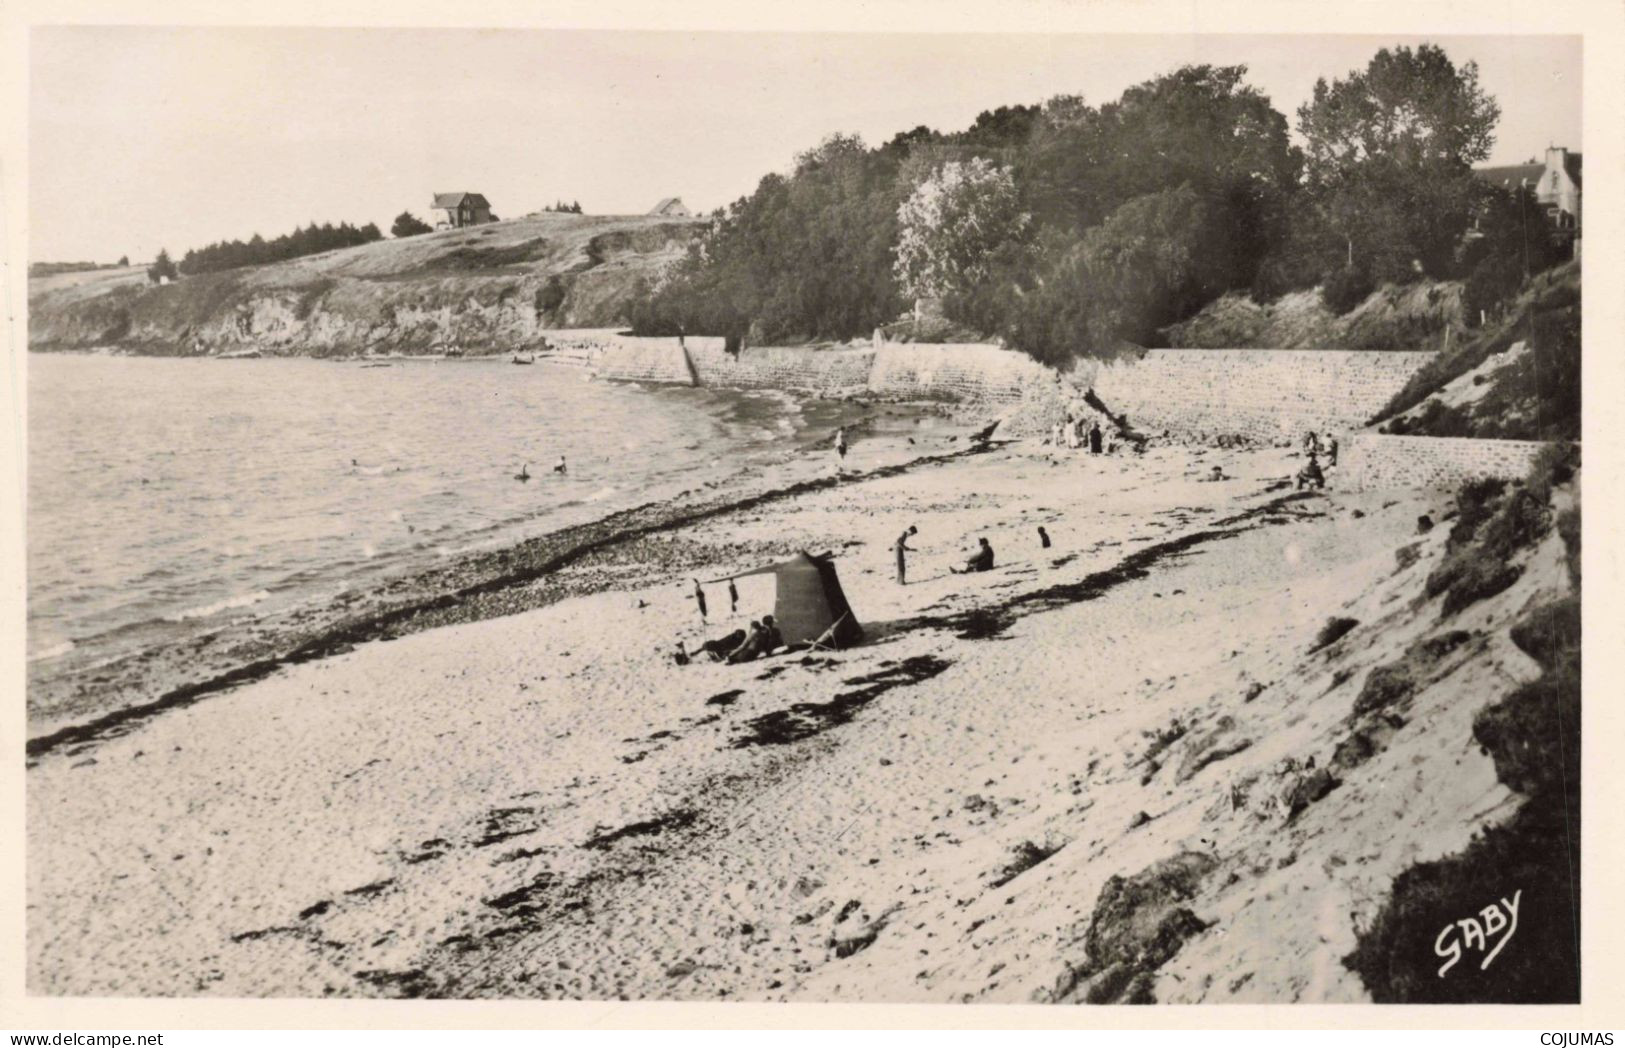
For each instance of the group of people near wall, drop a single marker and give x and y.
(1311, 475)
(1078, 431)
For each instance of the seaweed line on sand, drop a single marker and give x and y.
(397, 620)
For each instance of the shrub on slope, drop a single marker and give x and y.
(1536, 397)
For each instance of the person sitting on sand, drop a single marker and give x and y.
(764, 637)
(720, 648)
(1331, 451)
(1217, 474)
(560, 466)
(1311, 474)
(682, 656)
(981, 560)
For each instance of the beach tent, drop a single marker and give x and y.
(809, 602)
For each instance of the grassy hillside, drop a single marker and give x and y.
(1517, 378)
(489, 288)
(1415, 316)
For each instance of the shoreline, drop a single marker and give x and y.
(477, 585)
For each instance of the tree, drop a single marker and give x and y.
(1389, 153)
(409, 225)
(124, 260)
(807, 254)
(1411, 107)
(162, 268)
(1200, 124)
(950, 226)
(1514, 227)
(1153, 261)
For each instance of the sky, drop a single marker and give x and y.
(149, 137)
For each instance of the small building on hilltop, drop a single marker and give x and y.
(672, 207)
(456, 210)
(1555, 184)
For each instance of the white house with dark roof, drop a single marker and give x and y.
(672, 207)
(456, 210)
(1555, 184)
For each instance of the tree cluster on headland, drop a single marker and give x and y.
(1069, 229)
(256, 250)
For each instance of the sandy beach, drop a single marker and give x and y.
(544, 805)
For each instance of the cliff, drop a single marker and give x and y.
(485, 289)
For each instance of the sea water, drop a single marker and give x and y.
(170, 497)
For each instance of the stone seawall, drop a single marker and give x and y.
(1375, 461)
(628, 359)
(1265, 395)
(829, 373)
(958, 372)
(975, 375)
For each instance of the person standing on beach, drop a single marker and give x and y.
(840, 443)
(1043, 537)
(1094, 438)
(733, 598)
(903, 549)
(699, 598)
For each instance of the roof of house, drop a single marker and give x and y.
(459, 199)
(666, 204)
(1520, 174)
(1511, 175)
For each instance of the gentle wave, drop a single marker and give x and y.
(54, 651)
(241, 601)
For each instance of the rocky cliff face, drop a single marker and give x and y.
(488, 289)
